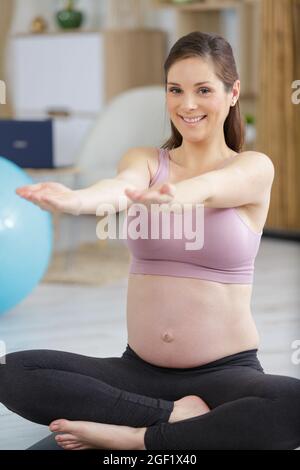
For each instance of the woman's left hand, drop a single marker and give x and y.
(162, 194)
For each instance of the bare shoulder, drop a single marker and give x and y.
(261, 167)
(137, 154)
(255, 154)
(150, 154)
(259, 162)
(138, 165)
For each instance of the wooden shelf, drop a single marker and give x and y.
(22, 34)
(68, 170)
(208, 5)
(82, 31)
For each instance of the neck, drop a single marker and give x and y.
(204, 155)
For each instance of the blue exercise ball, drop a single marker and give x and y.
(25, 238)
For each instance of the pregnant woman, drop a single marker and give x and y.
(189, 377)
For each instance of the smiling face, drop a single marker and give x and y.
(195, 92)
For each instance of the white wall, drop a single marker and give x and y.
(28, 9)
(96, 13)
(96, 16)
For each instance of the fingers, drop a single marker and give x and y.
(54, 200)
(157, 194)
(41, 205)
(53, 203)
(34, 189)
(137, 195)
(150, 197)
(168, 189)
(45, 202)
(35, 198)
(35, 193)
(133, 193)
(29, 188)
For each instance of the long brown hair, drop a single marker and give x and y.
(215, 47)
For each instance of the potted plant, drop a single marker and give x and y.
(69, 17)
(250, 130)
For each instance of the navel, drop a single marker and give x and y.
(167, 337)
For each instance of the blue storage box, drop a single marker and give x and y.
(28, 143)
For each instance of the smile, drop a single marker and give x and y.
(193, 121)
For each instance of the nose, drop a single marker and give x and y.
(188, 103)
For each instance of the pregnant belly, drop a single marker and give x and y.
(185, 322)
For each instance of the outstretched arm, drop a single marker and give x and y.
(132, 173)
(244, 181)
(247, 180)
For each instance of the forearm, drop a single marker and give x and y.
(107, 191)
(194, 190)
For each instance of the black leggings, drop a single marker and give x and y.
(249, 408)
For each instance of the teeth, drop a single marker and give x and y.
(192, 120)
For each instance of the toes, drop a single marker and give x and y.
(60, 425)
(70, 446)
(62, 444)
(66, 437)
(66, 426)
(84, 447)
(65, 443)
(74, 447)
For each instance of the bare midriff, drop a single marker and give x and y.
(185, 322)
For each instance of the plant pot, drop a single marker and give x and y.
(69, 18)
(250, 133)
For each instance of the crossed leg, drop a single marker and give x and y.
(80, 435)
(249, 409)
(43, 385)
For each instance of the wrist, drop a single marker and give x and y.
(83, 205)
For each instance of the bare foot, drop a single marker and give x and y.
(81, 435)
(188, 407)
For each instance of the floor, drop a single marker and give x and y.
(91, 320)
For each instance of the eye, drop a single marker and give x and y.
(174, 89)
(204, 91)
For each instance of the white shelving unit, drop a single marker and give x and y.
(61, 76)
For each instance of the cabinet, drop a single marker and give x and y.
(59, 75)
(71, 76)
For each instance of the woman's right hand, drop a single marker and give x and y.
(53, 197)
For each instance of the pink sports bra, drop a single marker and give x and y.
(227, 254)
